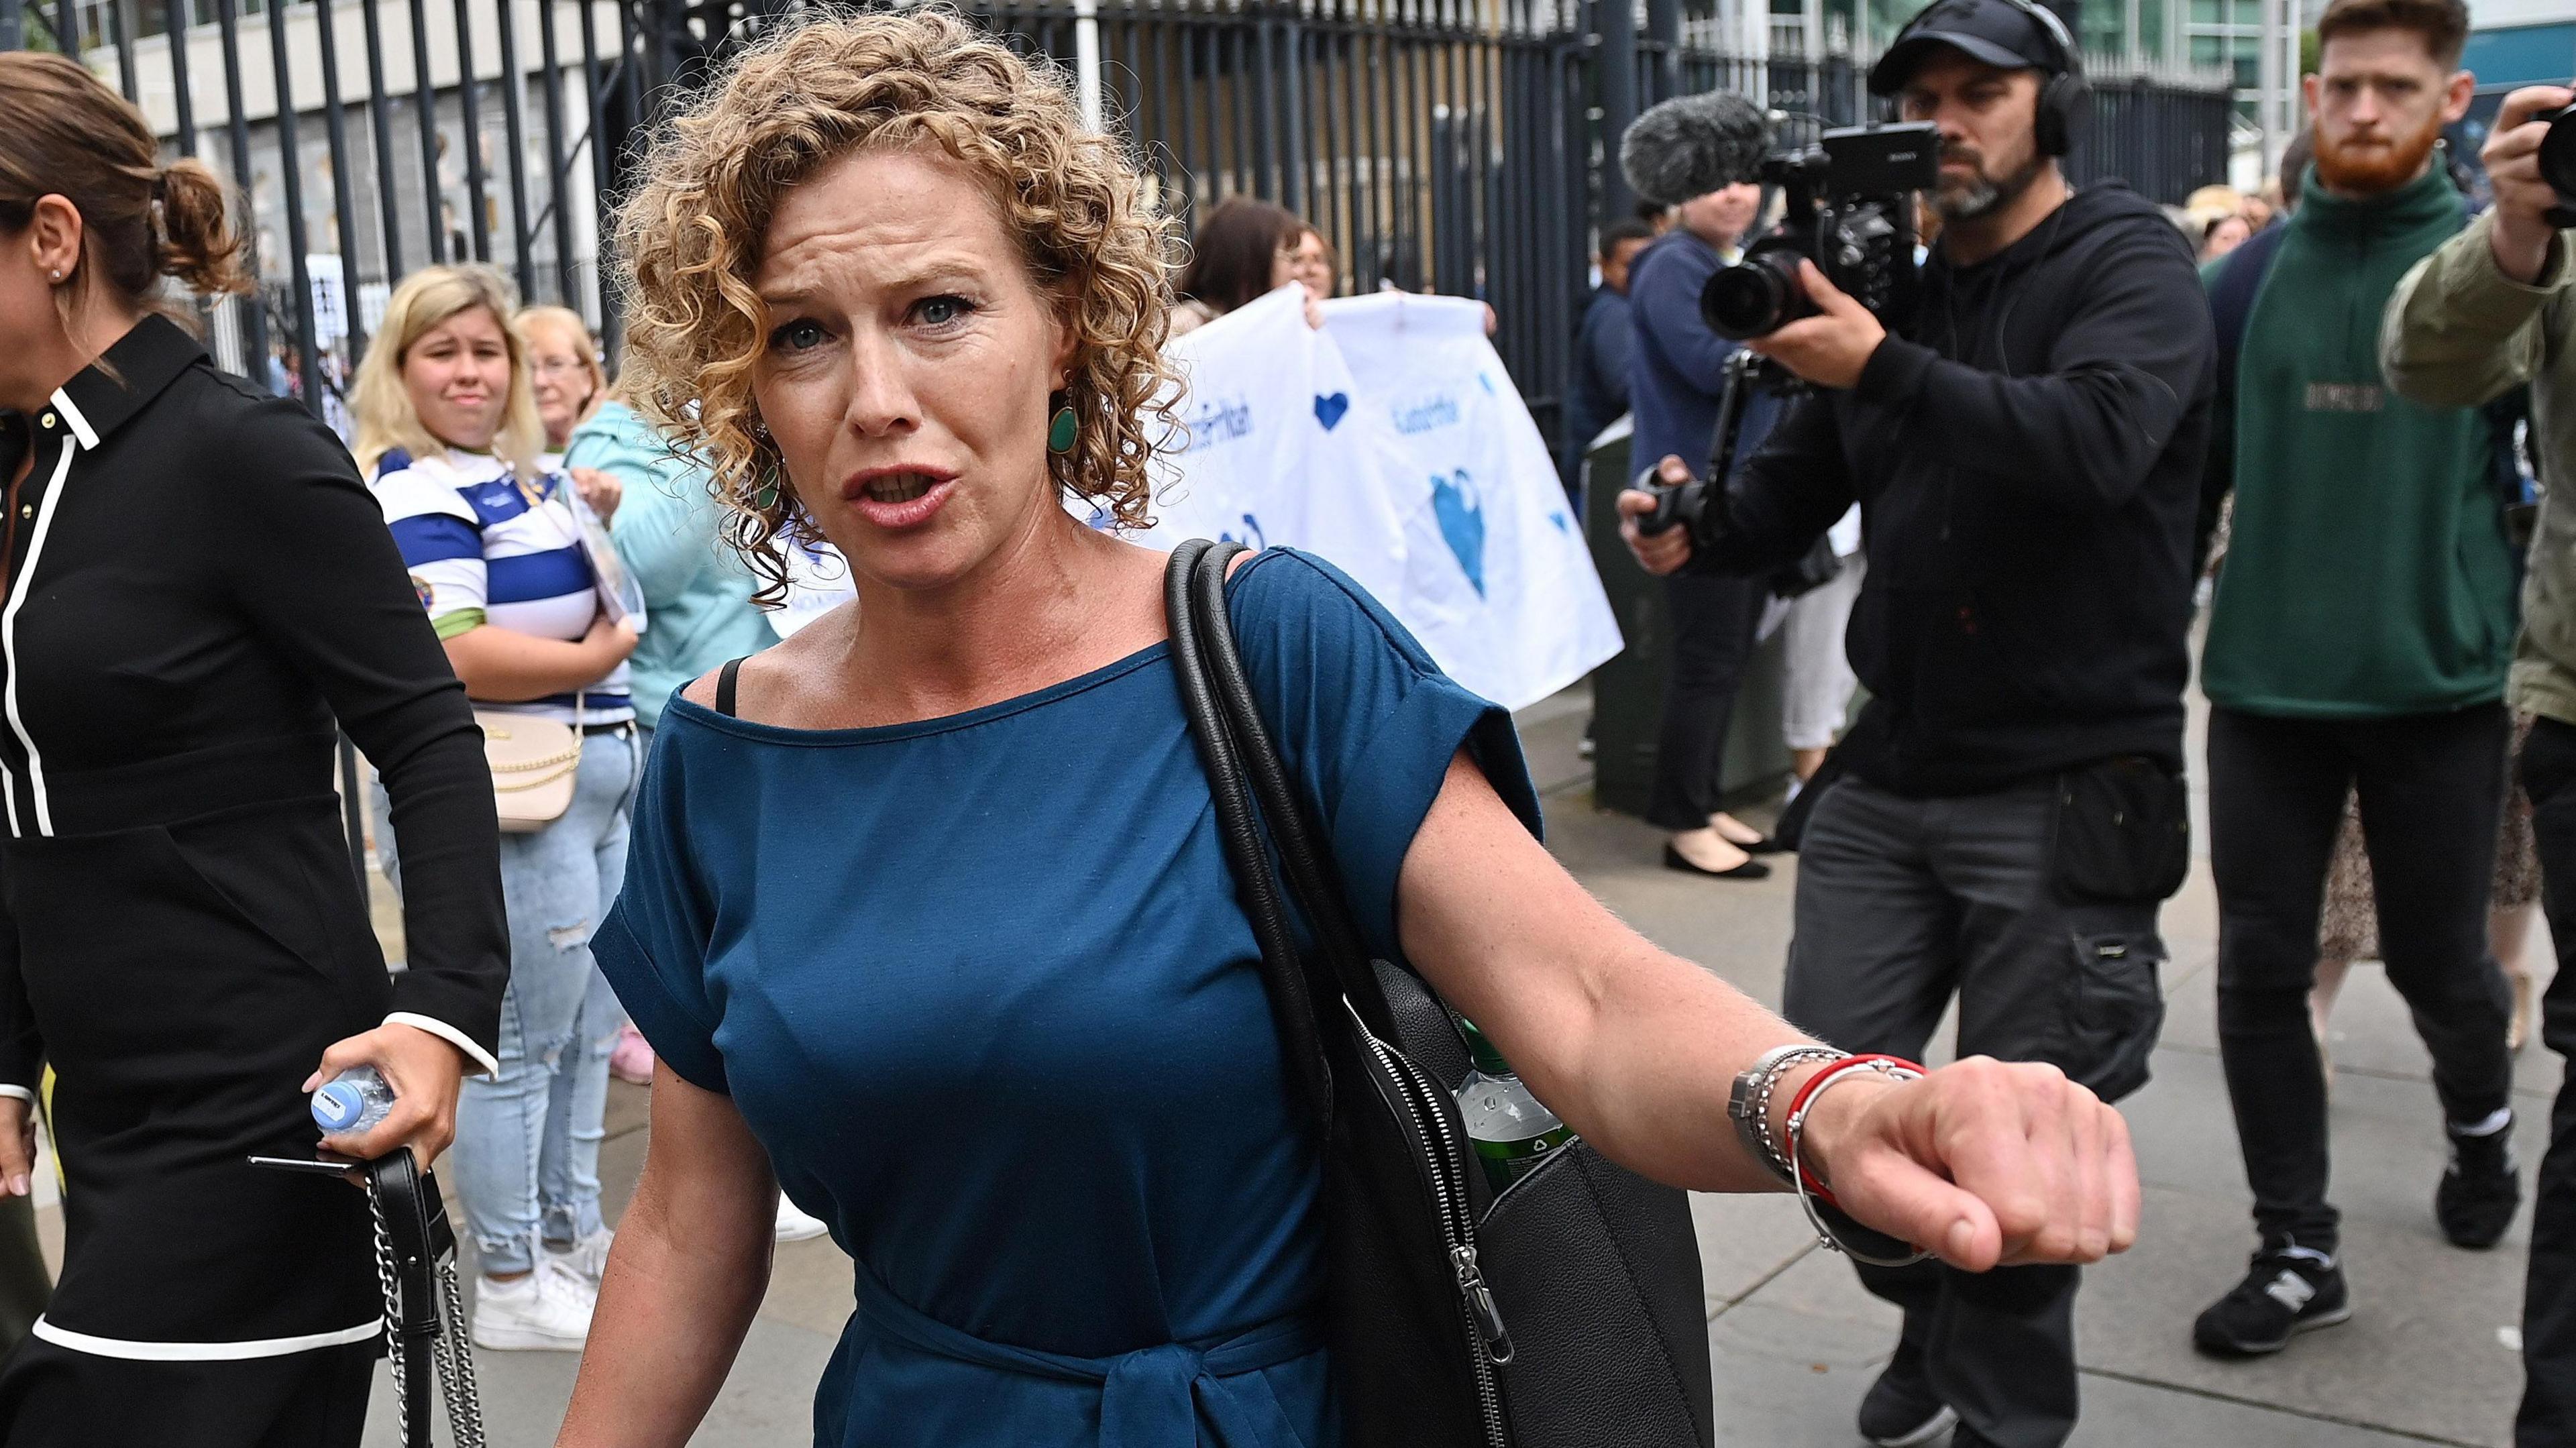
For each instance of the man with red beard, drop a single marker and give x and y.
(2360, 639)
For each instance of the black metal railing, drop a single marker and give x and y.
(1462, 146)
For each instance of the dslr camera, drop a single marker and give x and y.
(2558, 163)
(1850, 210)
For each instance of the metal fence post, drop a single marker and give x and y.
(1664, 31)
(1614, 69)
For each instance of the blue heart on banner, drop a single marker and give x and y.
(1462, 523)
(1250, 537)
(1329, 407)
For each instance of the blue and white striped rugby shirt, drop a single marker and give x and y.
(479, 553)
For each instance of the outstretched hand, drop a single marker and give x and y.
(1986, 1164)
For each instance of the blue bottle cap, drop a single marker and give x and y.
(337, 1106)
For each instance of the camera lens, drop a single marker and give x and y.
(2558, 153)
(1750, 298)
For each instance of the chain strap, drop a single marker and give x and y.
(455, 1359)
(385, 1276)
(451, 1357)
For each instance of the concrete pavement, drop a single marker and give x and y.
(2429, 1357)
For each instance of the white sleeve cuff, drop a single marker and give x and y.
(449, 1034)
(21, 1092)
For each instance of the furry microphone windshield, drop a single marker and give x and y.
(1692, 145)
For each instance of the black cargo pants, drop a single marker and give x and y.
(1903, 903)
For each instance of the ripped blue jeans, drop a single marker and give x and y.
(526, 1160)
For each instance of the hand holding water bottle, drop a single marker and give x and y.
(351, 1103)
(421, 1070)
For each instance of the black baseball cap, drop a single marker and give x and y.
(1998, 32)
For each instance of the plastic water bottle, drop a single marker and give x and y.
(1512, 1132)
(352, 1102)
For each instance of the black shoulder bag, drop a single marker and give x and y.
(1563, 1312)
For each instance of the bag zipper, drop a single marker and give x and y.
(1449, 1187)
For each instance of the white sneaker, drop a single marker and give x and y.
(586, 1259)
(549, 1309)
(794, 1225)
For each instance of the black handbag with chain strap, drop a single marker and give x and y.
(1563, 1312)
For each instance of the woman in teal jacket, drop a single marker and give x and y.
(697, 603)
(697, 594)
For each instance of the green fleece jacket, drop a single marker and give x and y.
(2460, 332)
(2367, 572)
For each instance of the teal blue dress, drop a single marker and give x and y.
(980, 986)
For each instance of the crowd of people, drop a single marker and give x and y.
(2323, 404)
(919, 921)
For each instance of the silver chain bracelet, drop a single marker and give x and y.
(1749, 1103)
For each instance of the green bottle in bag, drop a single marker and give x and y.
(1512, 1131)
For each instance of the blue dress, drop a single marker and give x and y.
(980, 986)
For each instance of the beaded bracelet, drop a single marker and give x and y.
(1809, 1187)
(1750, 1101)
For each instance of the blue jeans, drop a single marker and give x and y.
(526, 1160)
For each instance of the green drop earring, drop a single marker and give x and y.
(764, 497)
(1063, 430)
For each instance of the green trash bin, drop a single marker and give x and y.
(1628, 691)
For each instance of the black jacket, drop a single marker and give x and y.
(197, 590)
(2026, 452)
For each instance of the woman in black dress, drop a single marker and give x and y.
(196, 585)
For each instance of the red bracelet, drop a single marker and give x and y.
(1798, 1104)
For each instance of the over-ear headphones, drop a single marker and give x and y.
(2065, 97)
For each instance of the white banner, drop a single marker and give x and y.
(1272, 450)
(1394, 444)
(818, 581)
(1498, 579)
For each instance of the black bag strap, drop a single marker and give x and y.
(1244, 769)
(1312, 877)
(726, 679)
(1292, 1003)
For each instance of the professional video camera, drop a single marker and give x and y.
(1849, 209)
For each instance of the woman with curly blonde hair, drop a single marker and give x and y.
(926, 909)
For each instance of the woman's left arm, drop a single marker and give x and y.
(308, 558)
(1637, 1049)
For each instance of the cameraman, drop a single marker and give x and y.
(2026, 452)
(2490, 311)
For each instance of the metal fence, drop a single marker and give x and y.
(1463, 146)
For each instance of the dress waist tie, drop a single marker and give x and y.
(1150, 1398)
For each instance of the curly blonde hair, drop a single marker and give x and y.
(691, 234)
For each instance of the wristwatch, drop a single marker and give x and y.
(1748, 1103)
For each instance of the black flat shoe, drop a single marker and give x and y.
(1758, 845)
(1749, 870)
